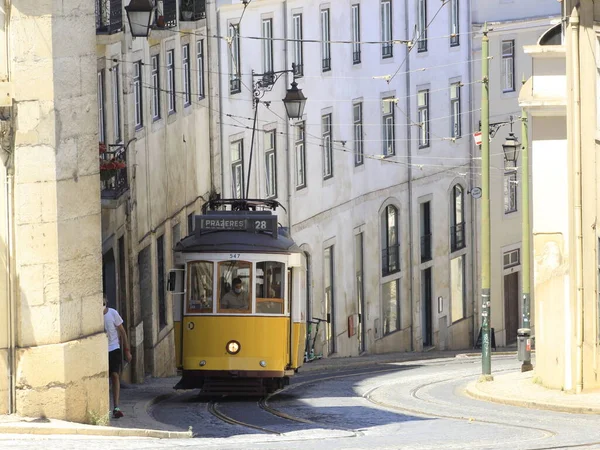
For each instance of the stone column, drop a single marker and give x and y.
(61, 364)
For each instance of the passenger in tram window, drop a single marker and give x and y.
(237, 298)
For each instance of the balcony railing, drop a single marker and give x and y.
(426, 248)
(109, 16)
(166, 14)
(192, 9)
(457, 237)
(113, 183)
(390, 259)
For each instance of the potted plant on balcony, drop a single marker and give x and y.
(109, 167)
(187, 9)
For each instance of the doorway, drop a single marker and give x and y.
(360, 297)
(426, 312)
(511, 306)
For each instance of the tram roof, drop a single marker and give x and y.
(238, 242)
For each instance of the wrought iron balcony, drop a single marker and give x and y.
(192, 9)
(426, 248)
(390, 259)
(457, 237)
(113, 182)
(109, 16)
(166, 14)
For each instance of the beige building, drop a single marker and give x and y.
(52, 341)
(561, 97)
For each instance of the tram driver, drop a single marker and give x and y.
(236, 298)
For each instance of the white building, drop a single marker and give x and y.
(375, 177)
(511, 25)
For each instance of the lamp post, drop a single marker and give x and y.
(294, 102)
(139, 15)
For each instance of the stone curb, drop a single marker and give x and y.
(472, 391)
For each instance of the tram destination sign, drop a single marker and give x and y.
(253, 224)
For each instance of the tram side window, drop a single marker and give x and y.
(269, 287)
(200, 298)
(235, 288)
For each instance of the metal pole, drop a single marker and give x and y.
(255, 103)
(526, 366)
(486, 358)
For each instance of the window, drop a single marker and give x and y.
(116, 104)
(390, 248)
(455, 110)
(237, 169)
(358, 134)
(155, 88)
(299, 148)
(270, 287)
(423, 108)
(162, 301)
(360, 291)
(137, 95)
(190, 222)
(510, 191)
(235, 287)
(425, 232)
(511, 258)
(171, 80)
(235, 85)
(328, 269)
(391, 306)
(298, 50)
(271, 164)
(200, 289)
(267, 45)
(386, 29)
(325, 41)
(508, 66)
(185, 62)
(101, 116)
(388, 127)
(355, 34)
(327, 146)
(454, 24)
(458, 295)
(457, 228)
(422, 25)
(200, 68)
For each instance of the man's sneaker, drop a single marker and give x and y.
(117, 413)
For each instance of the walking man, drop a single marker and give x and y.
(113, 326)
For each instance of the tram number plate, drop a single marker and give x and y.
(234, 256)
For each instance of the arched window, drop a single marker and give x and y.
(390, 249)
(457, 225)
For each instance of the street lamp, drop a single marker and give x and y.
(294, 102)
(139, 15)
(511, 148)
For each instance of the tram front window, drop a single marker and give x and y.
(269, 287)
(200, 298)
(235, 289)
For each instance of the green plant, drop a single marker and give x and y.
(95, 418)
(537, 380)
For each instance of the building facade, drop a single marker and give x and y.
(374, 178)
(511, 26)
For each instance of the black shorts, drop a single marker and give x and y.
(114, 361)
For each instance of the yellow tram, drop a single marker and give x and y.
(239, 295)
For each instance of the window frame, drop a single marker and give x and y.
(237, 169)
(390, 237)
(454, 23)
(300, 153)
(387, 46)
(508, 58)
(327, 144)
(171, 85)
(511, 201)
(271, 164)
(161, 285)
(423, 119)
(359, 157)
(138, 105)
(388, 125)
(298, 45)
(422, 26)
(398, 327)
(155, 73)
(457, 225)
(250, 290)
(187, 79)
(267, 45)
(210, 310)
(116, 104)
(325, 40)
(455, 110)
(235, 61)
(463, 309)
(356, 51)
(200, 68)
(101, 107)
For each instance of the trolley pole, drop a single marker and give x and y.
(486, 357)
(526, 366)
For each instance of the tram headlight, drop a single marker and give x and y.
(202, 363)
(263, 364)
(233, 347)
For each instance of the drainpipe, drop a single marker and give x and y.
(577, 197)
(289, 158)
(410, 185)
